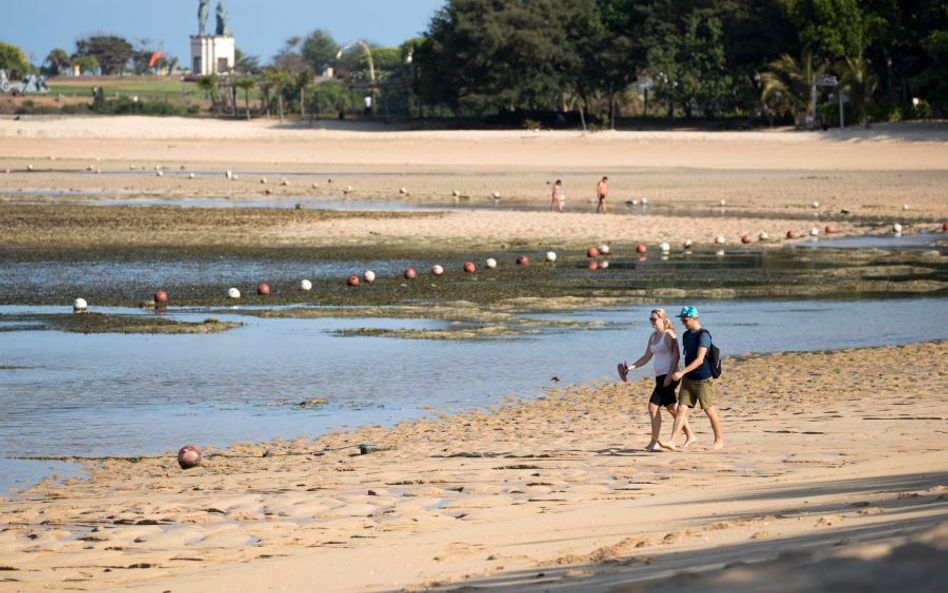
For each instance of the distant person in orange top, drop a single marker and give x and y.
(602, 189)
(556, 201)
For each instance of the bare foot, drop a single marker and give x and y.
(690, 442)
(667, 446)
(651, 447)
(717, 445)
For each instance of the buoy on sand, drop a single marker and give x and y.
(189, 456)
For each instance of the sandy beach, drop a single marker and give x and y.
(555, 493)
(834, 474)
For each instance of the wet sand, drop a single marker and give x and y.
(556, 492)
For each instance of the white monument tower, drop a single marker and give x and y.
(212, 54)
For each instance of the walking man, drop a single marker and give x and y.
(696, 380)
(602, 189)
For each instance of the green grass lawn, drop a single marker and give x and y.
(150, 86)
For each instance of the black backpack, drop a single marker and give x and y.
(714, 355)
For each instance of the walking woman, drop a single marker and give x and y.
(662, 348)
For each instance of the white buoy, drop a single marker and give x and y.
(437, 270)
(723, 203)
(550, 256)
(403, 191)
(719, 240)
(604, 264)
(491, 263)
(814, 231)
(285, 182)
(90, 168)
(719, 253)
(233, 293)
(645, 201)
(456, 194)
(228, 174)
(29, 167)
(263, 180)
(763, 236)
(897, 228)
(315, 185)
(604, 249)
(158, 173)
(665, 247)
(635, 202)
(816, 204)
(79, 305)
(190, 175)
(132, 167)
(688, 243)
(496, 195)
(905, 206)
(368, 276)
(234, 177)
(306, 284)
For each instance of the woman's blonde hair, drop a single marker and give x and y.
(667, 324)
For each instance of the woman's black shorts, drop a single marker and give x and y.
(664, 396)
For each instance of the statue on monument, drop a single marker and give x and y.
(203, 9)
(222, 28)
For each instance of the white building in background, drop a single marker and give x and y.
(212, 54)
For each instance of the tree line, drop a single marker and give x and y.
(599, 60)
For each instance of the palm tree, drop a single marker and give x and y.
(788, 86)
(208, 84)
(246, 84)
(57, 60)
(860, 83)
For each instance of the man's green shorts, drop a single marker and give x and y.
(696, 391)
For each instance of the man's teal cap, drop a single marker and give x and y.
(687, 312)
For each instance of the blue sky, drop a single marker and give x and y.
(39, 26)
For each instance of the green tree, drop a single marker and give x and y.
(57, 61)
(209, 84)
(319, 50)
(13, 61)
(87, 64)
(833, 28)
(482, 55)
(788, 86)
(111, 52)
(246, 64)
(858, 81)
(246, 84)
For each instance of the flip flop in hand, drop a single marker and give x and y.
(623, 369)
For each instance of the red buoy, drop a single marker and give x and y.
(592, 252)
(641, 248)
(189, 456)
(523, 260)
(161, 297)
(410, 273)
(263, 288)
(353, 280)
(469, 267)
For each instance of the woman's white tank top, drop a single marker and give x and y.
(661, 354)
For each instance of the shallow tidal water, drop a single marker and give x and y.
(113, 394)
